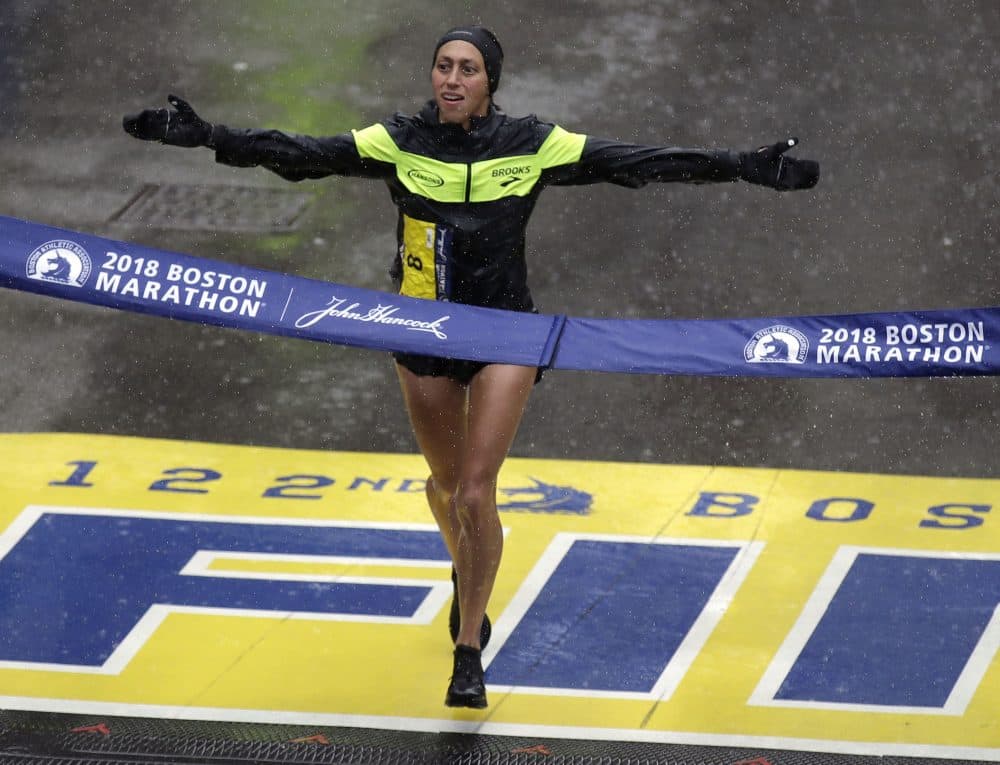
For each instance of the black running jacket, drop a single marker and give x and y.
(464, 197)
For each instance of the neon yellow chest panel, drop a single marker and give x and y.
(426, 246)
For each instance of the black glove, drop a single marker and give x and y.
(177, 128)
(768, 166)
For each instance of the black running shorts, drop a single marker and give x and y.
(460, 370)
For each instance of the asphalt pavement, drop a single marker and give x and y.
(897, 100)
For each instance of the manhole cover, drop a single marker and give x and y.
(214, 208)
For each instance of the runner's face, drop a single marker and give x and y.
(461, 88)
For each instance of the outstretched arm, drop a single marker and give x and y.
(293, 157)
(634, 166)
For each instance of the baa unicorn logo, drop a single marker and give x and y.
(59, 261)
(777, 345)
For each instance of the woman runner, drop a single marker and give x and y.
(465, 178)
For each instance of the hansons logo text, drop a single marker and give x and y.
(150, 280)
(426, 178)
(927, 343)
(380, 314)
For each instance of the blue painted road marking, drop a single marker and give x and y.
(899, 631)
(112, 568)
(611, 616)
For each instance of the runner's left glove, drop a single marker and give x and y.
(768, 166)
(177, 127)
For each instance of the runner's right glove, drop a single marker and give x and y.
(768, 166)
(176, 128)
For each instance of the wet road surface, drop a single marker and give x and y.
(898, 101)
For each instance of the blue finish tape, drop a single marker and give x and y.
(91, 269)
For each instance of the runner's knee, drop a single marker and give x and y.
(440, 487)
(475, 497)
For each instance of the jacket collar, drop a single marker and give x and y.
(429, 115)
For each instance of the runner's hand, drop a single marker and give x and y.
(177, 127)
(768, 166)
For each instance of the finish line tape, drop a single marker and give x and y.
(84, 268)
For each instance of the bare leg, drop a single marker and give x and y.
(437, 407)
(464, 434)
(497, 398)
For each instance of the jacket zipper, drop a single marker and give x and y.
(468, 183)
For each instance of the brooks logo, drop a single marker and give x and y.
(500, 172)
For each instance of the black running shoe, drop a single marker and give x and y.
(467, 687)
(455, 617)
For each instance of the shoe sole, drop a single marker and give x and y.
(468, 702)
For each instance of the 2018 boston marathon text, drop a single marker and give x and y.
(951, 343)
(123, 274)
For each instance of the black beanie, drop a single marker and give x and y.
(485, 42)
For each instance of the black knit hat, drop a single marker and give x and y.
(485, 42)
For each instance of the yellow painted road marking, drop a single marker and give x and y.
(283, 668)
